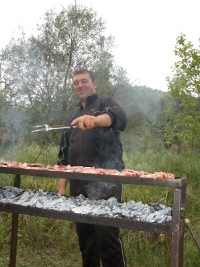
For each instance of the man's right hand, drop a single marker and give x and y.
(62, 192)
(62, 183)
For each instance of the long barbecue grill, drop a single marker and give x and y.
(175, 228)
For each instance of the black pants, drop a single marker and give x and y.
(97, 243)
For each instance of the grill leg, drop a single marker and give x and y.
(13, 247)
(177, 228)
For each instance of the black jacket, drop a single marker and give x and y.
(99, 147)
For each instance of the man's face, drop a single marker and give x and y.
(83, 86)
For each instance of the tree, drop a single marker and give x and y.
(184, 103)
(37, 71)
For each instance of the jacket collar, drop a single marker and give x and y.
(89, 100)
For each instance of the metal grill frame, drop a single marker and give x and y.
(175, 228)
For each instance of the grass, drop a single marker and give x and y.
(52, 243)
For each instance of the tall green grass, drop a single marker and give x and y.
(52, 243)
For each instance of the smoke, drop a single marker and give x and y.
(14, 126)
(103, 190)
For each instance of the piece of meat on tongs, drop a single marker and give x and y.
(46, 127)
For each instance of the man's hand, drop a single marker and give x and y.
(62, 183)
(87, 122)
(62, 192)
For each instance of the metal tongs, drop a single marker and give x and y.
(46, 127)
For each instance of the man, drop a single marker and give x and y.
(95, 142)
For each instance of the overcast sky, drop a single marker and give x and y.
(145, 30)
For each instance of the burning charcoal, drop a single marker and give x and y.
(39, 203)
(101, 202)
(64, 207)
(126, 214)
(12, 193)
(32, 199)
(132, 216)
(81, 197)
(124, 206)
(157, 206)
(25, 197)
(82, 210)
(111, 202)
(165, 211)
(146, 210)
(82, 205)
(116, 209)
(103, 212)
(117, 212)
(56, 202)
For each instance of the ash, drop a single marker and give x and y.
(157, 213)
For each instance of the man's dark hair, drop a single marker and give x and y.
(91, 74)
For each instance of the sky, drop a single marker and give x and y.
(145, 31)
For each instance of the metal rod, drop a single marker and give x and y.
(177, 235)
(13, 247)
